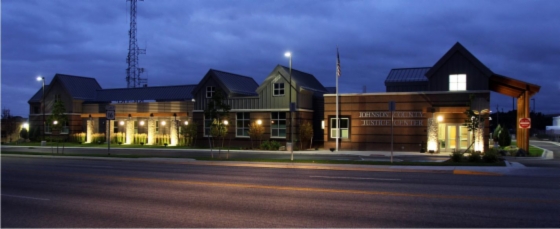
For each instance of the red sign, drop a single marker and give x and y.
(524, 123)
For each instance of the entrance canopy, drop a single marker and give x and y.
(523, 91)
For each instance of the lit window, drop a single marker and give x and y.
(242, 124)
(210, 92)
(344, 128)
(278, 89)
(458, 82)
(278, 125)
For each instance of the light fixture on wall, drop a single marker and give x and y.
(121, 123)
(226, 122)
(163, 123)
(439, 118)
(142, 123)
(55, 122)
(259, 122)
(323, 124)
(186, 123)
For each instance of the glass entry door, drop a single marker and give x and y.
(456, 136)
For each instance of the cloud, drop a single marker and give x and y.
(183, 39)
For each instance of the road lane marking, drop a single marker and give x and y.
(291, 188)
(353, 178)
(25, 197)
(90, 166)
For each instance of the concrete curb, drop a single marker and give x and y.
(458, 170)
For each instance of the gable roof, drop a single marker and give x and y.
(305, 80)
(398, 75)
(299, 79)
(158, 93)
(232, 83)
(78, 87)
(37, 97)
(458, 48)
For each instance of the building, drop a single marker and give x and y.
(430, 102)
(430, 105)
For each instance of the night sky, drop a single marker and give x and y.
(184, 39)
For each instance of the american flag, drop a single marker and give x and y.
(337, 63)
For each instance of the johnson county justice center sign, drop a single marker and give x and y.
(386, 118)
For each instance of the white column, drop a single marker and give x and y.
(432, 135)
(173, 133)
(151, 131)
(89, 131)
(129, 131)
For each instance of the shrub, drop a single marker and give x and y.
(265, 145)
(23, 133)
(456, 156)
(274, 145)
(305, 133)
(496, 133)
(475, 157)
(491, 156)
(256, 132)
(504, 139)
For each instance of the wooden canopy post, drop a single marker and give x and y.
(523, 112)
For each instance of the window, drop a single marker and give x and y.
(458, 82)
(242, 124)
(157, 127)
(344, 128)
(278, 89)
(35, 110)
(207, 125)
(210, 91)
(56, 98)
(278, 125)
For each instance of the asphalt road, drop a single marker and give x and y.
(192, 153)
(56, 192)
(537, 162)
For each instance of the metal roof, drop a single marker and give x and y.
(237, 83)
(79, 87)
(36, 98)
(331, 89)
(407, 75)
(306, 80)
(159, 93)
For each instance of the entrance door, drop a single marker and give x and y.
(456, 136)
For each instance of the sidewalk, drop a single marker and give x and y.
(511, 168)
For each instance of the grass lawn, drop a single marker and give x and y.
(533, 151)
(446, 163)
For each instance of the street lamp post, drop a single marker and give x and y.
(289, 55)
(41, 78)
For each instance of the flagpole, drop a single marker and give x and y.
(337, 120)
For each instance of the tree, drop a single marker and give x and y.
(256, 132)
(496, 133)
(504, 138)
(58, 116)
(473, 121)
(305, 133)
(23, 133)
(217, 110)
(190, 132)
(9, 123)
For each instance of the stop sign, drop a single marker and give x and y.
(524, 123)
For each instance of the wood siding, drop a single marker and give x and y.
(458, 64)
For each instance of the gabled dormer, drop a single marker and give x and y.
(231, 85)
(458, 70)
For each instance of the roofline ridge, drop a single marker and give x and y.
(293, 69)
(409, 68)
(232, 73)
(87, 77)
(181, 85)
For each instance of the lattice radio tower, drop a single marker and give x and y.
(133, 71)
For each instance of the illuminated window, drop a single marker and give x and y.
(242, 124)
(210, 91)
(278, 125)
(458, 82)
(344, 128)
(278, 89)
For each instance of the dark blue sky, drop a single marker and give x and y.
(519, 39)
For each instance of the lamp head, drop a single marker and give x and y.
(40, 78)
(288, 54)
